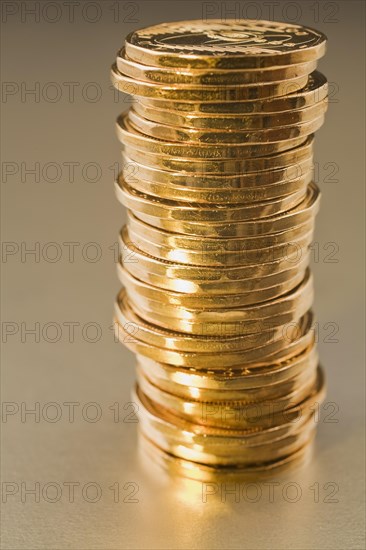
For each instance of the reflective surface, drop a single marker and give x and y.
(66, 206)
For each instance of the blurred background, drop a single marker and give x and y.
(71, 474)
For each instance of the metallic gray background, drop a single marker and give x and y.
(169, 513)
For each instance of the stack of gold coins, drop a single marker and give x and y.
(217, 180)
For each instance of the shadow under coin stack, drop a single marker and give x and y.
(217, 180)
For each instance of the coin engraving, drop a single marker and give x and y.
(225, 38)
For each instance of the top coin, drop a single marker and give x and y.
(224, 44)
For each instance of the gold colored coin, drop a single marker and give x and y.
(204, 77)
(247, 457)
(289, 252)
(222, 136)
(190, 279)
(216, 184)
(181, 211)
(209, 94)
(248, 425)
(216, 321)
(274, 351)
(303, 212)
(239, 320)
(204, 395)
(210, 196)
(235, 122)
(216, 256)
(261, 431)
(206, 286)
(218, 327)
(177, 467)
(228, 414)
(287, 245)
(218, 310)
(280, 349)
(238, 168)
(257, 426)
(140, 292)
(127, 134)
(315, 91)
(295, 418)
(229, 455)
(217, 180)
(212, 408)
(143, 236)
(224, 44)
(241, 384)
(167, 339)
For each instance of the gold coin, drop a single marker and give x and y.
(228, 414)
(315, 91)
(208, 385)
(186, 249)
(227, 327)
(204, 473)
(222, 137)
(199, 405)
(239, 452)
(220, 185)
(216, 256)
(278, 350)
(207, 438)
(181, 211)
(131, 137)
(168, 339)
(212, 76)
(214, 308)
(224, 44)
(256, 121)
(287, 308)
(262, 393)
(133, 257)
(244, 456)
(149, 302)
(144, 236)
(248, 426)
(238, 168)
(303, 212)
(295, 418)
(262, 426)
(198, 286)
(140, 291)
(289, 252)
(274, 351)
(212, 195)
(217, 181)
(209, 94)
(263, 420)
(219, 327)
